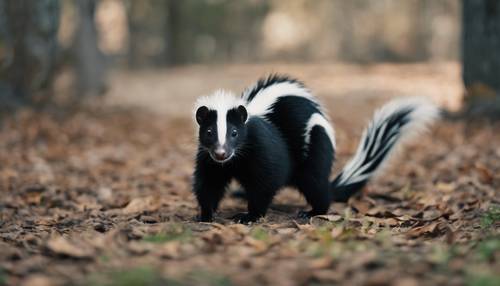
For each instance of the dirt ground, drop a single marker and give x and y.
(102, 196)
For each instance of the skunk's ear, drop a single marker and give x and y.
(242, 111)
(201, 114)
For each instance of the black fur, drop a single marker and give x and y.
(270, 153)
(261, 165)
(272, 79)
(207, 119)
(272, 156)
(392, 132)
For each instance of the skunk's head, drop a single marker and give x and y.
(221, 118)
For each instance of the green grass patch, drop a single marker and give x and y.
(259, 233)
(141, 276)
(441, 255)
(172, 233)
(490, 217)
(104, 258)
(146, 276)
(486, 249)
(206, 278)
(324, 235)
(3, 277)
(483, 280)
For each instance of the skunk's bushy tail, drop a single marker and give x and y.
(392, 126)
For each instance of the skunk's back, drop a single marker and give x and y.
(289, 105)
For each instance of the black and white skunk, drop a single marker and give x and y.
(277, 134)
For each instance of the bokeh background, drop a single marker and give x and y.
(59, 50)
(52, 50)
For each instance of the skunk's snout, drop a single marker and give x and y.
(220, 154)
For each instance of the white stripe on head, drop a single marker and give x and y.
(263, 101)
(318, 120)
(221, 126)
(220, 101)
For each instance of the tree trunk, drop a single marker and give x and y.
(28, 49)
(481, 56)
(90, 62)
(174, 53)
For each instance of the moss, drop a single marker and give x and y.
(487, 248)
(490, 217)
(172, 233)
(141, 276)
(3, 277)
(146, 276)
(483, 280)
(259, 233)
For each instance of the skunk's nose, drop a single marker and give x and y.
(220, 154)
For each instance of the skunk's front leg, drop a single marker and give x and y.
(208, 196)
(209, 186)
(258, 203)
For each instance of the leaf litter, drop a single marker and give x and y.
(103, 198)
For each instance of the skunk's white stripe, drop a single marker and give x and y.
(318, 120)
(379, 138)
(262, 102)
(422, 114)
(221, 126)
(221, 101)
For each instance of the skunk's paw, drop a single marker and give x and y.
(305, 214)
(200, 218)
(245, 218)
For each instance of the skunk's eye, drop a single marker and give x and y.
(234, 133)
(209, 132)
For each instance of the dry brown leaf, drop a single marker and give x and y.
(170, 250)
(362, 206)
(428, 229)
(63, 246)
(446, 187)
(137, 205)
(389, 222)
(485, 174)
(363, 258)
(139, 248)
(286, 231)
(337, 231)
(332, 218)
(38, 280)
(259, 246)
(321, 263)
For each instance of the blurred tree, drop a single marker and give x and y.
(481, 56)
(172, 32)
(28, 49)
(174, 53)
(90, 62)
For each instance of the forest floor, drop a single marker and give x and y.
(102, 196)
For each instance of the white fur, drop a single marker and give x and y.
(319, 120)
(263, 101)
(421, 117)
(221, 101)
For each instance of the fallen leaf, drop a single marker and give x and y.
(37, 280)
(337, 231)
(143, 204)
(431, 229)
(63, 246)
(170, 250)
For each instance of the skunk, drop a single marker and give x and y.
(277, 134)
